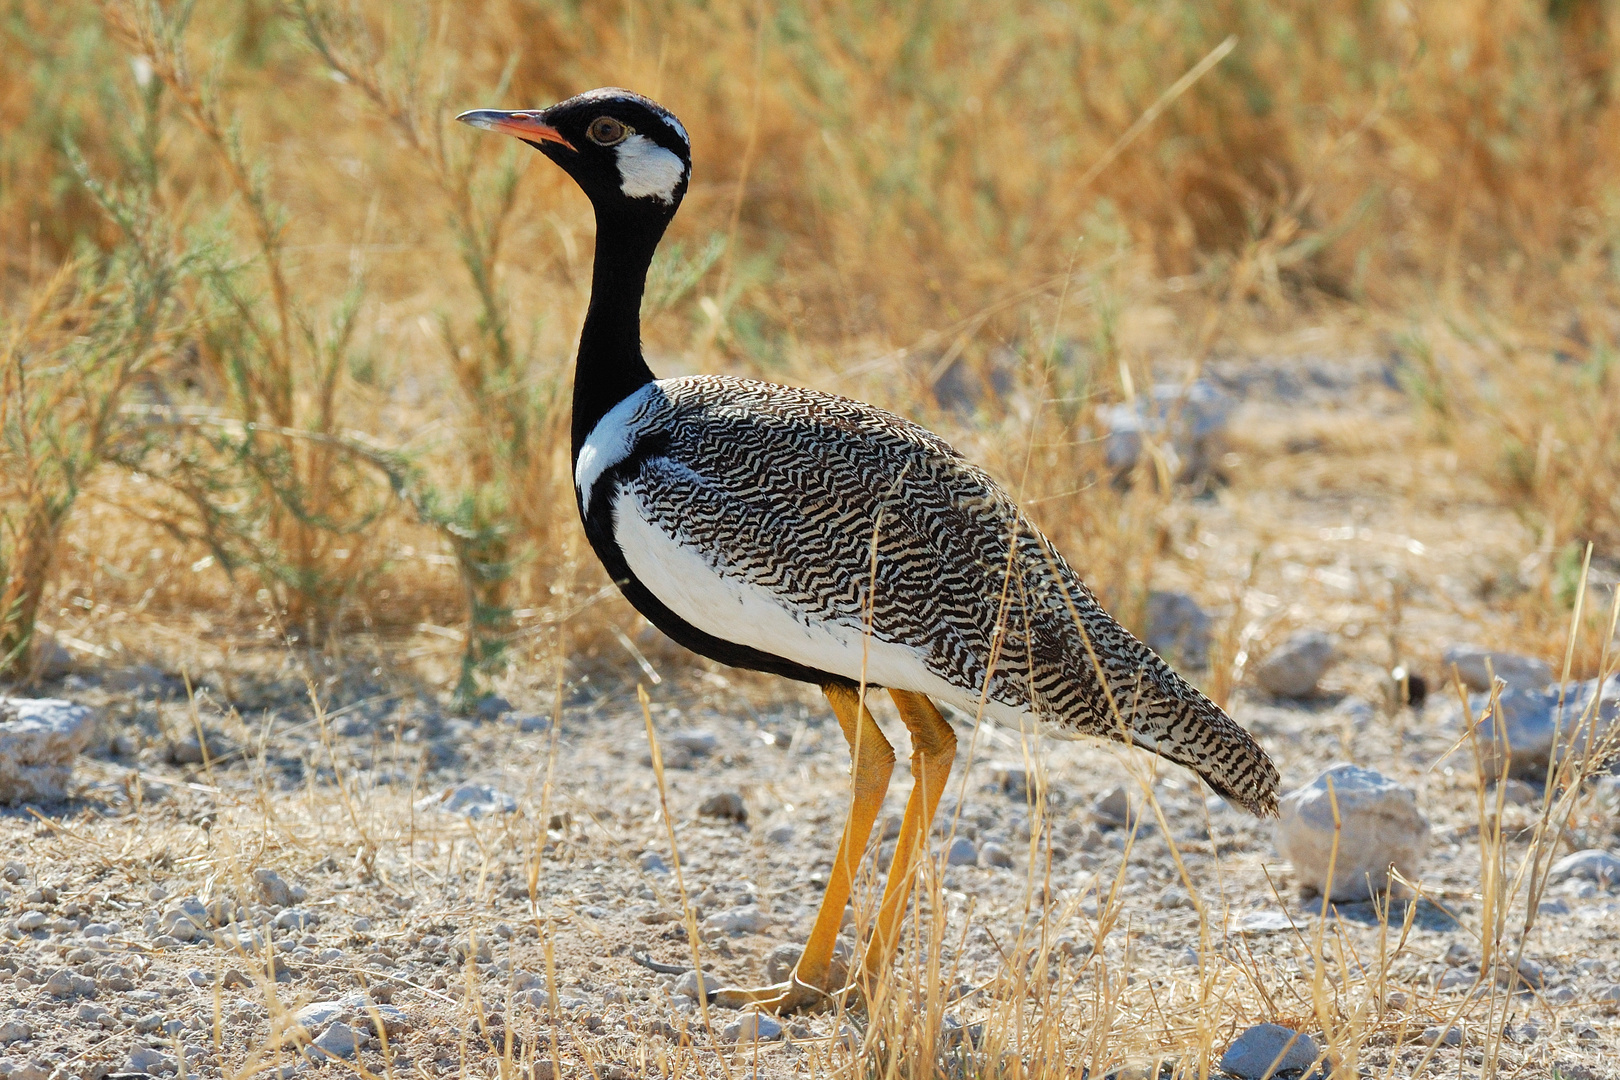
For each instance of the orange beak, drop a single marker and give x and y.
(524, 125)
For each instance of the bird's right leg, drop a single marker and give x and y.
(873, 762)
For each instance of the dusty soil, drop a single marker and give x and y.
(524, 934)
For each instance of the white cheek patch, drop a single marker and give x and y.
(647, 170)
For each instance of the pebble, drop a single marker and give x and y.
(779, 835)
(295, 919)
(29, 921)
(273, 889)
(1255, 1054)
(144, 1059)
(993, 854)
(727, 805)
(470, 800)
(691, 984)
(962, 852)
(1436, 1036)
(1178, 629)
(64, 983)
(780, 962)
(753, 1027)
(15, 1031)
(693, 741)
(739, 920)
(1471, 662)
(1112, 810)
(39, 741)
(1293, 669)
(338, 1040)
(1379, 826)
(1593, 864)
(652, 863)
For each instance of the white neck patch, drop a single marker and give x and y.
(647, 170)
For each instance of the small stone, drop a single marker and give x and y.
(1012, 778)
(779, 964)
(470, 800)
(65, 984)
(779, 835)
(1471, 663)
(753, 1027)
(295, 919)
(1173, 897)
(727, 805)
(1436, 1036)
(15, 1031)
(1379, 827)
(1531, 974)
(148, 1024)
(338, 1040)
(693, 742)
(1178, 629)
(747, 919)
(29, 921)
(362, 925)
(1293, 669)
(692, 984)
(533, 998)
(143, 1059)
(14, 871)
(993, 854)
(492, 707)
(1511, 793)
(39, 740)
(272, 889)
(962, 852)
(1593, 864)
(1267, 1049)
(366, 1013)
(1112, 810)
(652, 863)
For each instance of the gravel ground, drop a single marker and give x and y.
(416, 893)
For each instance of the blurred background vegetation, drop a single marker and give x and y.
(285, 351)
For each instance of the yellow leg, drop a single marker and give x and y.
(873, 762)
(933, 749)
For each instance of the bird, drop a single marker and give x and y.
(815, 537)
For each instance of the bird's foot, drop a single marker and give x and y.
(782, 998)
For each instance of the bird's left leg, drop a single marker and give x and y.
(933, 749)
(873, 763)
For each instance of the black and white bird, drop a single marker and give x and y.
(806, 534)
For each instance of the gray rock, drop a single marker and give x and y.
(366, 1014)
(962, 852)
(143, 1059)
(15, 1031)
(993, 854)
(1178, 629)
(295, 919)
(693, 742)
(31, 1069)
(1437, 1036)
(338, 1040)
(727, 805)
(753, 1027)
(1511, 793)
(1266, 1049)
(1193, 417)
(1533, 733)
(65, 984)
(1474, 664)
(29, 921)
(39, 738)
(779, 835)
(1380, 827)
(470, 800)
(1294, 668)
(1011, 777)
(652, 863)
(272, 889)
(1593, 864)
(1112, 810)
(781, 962)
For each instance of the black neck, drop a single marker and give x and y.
(610, 367)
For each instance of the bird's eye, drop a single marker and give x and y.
(606, 131)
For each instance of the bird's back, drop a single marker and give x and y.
(889, 552)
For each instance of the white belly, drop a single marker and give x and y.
(736, 610)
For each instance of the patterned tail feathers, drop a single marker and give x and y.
(1175, 721)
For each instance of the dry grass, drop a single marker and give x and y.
(340, 422)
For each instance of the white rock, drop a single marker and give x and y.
(1294, 668)
(692, 984)
(1266, 1049)
(143, 1059)
(339, 1040)
(39, 738)
(1471, 661)
(1593, 864)
(747, 919)
(15, 1031)
(470, 800)
(1380, 826)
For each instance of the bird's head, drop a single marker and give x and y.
(626, 152)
